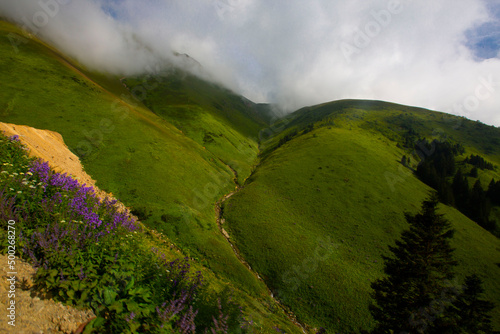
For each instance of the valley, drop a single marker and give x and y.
(290, 215)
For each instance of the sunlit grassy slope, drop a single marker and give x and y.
(313, 219)
(319, 212)
(143, 159)
(222, 122)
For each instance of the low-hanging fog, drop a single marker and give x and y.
(442, 55)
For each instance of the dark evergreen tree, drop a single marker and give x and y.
(445, 192)
(417, 271)
(468, 314)
(426, 171)
(478, 161)
(474, 172)
(494, 192)
(460, 188)
(404, 161)
(480, 206)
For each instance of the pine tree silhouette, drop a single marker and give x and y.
(468, 314)
(417, 272)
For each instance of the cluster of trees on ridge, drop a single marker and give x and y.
(419, 293)
(439, 171)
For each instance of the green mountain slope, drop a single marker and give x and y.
(394, 121)
(222, 122)
(319, 203)
(146, 161)
(321, 208)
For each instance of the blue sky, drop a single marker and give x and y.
(485, 39)
(442, 55)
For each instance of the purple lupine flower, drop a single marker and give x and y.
(220, 324)
(40, 169)
(82, 275)
(8, 209)
(63, 181)
(170, 309)
(57, 197)
(14, 138)
(130, 317)
(186, 323)
(247, 324)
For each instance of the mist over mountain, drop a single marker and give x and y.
(441, 56)
(271, 224)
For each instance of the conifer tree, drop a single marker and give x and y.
(416, 273)
(480, 206)
(460, 190)
(468, 314)
(472, 310)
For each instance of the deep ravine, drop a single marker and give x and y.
(219, 215)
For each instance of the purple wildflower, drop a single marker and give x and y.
(130, 317)
(220, 324)
(186, 323)
(170, 309)
(14, 138)
(82, 275)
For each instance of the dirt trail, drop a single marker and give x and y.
(219, 215)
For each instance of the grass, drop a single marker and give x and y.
(89, 254)
(313, 218)
(393, 121)
(141, 158)
(133, 153)
(218, 120)
(319, 212)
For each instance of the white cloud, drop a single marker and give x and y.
(290, 52)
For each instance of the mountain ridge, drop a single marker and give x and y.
(169, 147)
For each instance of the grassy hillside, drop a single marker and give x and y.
(322, 207)
(313, 218)
(223, 123)
(394, 121)
(147, 162)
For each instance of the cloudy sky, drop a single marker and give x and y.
(442, 55)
